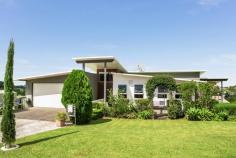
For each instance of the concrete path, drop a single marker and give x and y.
(35, 120)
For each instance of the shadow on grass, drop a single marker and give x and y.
(45, 139)
(99, 121)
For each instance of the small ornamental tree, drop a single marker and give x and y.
(77, 91)
(160, 81)
(206, 91)
(8, 118)
(189, 93)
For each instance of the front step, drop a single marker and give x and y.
(160, 114)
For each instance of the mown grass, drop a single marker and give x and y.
(121, 138)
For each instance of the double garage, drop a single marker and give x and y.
(47, 95)
(46, 91)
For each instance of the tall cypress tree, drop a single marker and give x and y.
(8, 118)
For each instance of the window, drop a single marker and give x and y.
(122, 89)
(138, 91)
(162, 95)
(178, 96)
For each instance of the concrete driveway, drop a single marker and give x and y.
(40, 114)
(35, 120)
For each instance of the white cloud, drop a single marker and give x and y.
(209, 3)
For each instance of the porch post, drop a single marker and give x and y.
(84, 67)
(105, 82)
(222, 92)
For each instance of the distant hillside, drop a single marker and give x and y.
(19, 89)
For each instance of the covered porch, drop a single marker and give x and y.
(217, 81)
(103, 67)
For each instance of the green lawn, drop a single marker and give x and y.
(132, 138)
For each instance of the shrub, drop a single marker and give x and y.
(206, 115)
(159, 81)
(77, 91)
(119, 105)
(175, 109)
(107, 111)
(193, 114)
(213, 102)
(227, 107)
(196, 114)
(61, 116)
(97, 113)
(232, 118)
(221, 116)
(146, 114)
(132, 115)
(142, 104)
(98, 105)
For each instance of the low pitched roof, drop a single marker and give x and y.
(148, 76)
(43, 76)
(95, 63)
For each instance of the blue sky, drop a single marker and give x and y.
(158, 34)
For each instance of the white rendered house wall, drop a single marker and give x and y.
(130, 81)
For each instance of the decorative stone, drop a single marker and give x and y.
(9, 149)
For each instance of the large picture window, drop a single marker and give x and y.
(138, 91)
(122, 89)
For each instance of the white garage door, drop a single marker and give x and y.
(47, 95)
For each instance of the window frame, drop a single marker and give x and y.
(139, 94)
(162, 93)
(122, 93)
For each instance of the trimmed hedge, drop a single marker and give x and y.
(227, 107)
(175, 109)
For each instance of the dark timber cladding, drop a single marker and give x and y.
(104, 60)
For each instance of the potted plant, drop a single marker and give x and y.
(61, 119)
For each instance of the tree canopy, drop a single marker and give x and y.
(77, 91)
(8, 118)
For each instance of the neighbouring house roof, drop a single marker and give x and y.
(214, 79)
(95, 63)
(166, 72)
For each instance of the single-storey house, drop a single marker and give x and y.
(108, 74)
